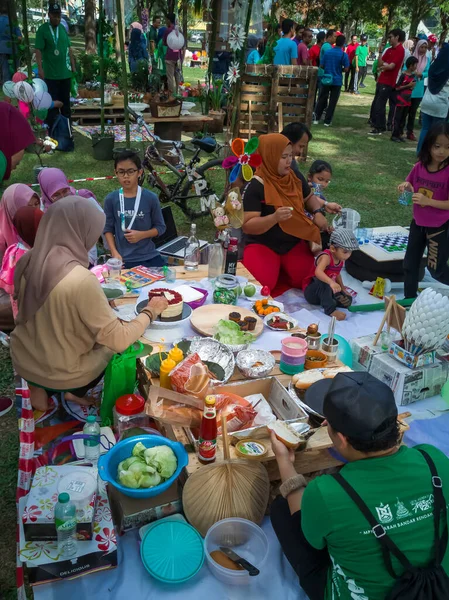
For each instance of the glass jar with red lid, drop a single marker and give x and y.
(129, 412)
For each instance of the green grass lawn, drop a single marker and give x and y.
(366, 172)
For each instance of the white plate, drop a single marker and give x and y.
(283, 316)
(188, 105)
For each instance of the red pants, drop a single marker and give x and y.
(280, 272)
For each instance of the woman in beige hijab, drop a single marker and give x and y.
(66, 332)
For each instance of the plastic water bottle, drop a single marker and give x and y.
(92, 445)
(192, 251)
(216, 258)
(65, 521)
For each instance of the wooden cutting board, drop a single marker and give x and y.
(205, 318)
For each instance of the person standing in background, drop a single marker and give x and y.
(389, 65)
(303, 48)
(314, 52)
(422, 72)
(335, 61)
(55, 61)
(329, 41)
(6, 42)
(286, 50)
(359, 62)
(350, 51)
(153, 38)
(299, 31)
(172, 58)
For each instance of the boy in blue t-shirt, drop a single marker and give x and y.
(133, 217)
(286, 50)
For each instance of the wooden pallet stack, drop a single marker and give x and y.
(273, 96)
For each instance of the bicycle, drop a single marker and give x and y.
(191, 182)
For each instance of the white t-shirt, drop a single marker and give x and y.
(436, 105)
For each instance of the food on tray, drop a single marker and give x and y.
(264, 308)
(147, 467)
(235, 316)
(243, 325)
(239, 412)
(331, 373)
(191, 376)
(286, 434)
(280, 323)
(230, 333)
(252, 322)
(302, 381)
(173, 312)
(221, 559)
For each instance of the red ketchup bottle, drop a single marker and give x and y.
(208, 432)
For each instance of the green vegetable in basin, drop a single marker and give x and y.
(229, 332)
(164, 458)
(147, 467)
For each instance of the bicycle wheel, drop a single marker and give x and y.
(194, 204)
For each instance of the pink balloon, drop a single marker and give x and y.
(19, 76)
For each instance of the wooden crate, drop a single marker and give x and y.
(90, 114)
(273, 96)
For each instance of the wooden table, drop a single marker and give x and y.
(170, 128)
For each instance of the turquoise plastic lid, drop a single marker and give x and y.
(172, 551)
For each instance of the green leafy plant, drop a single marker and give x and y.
(139, 79)
(216, 95)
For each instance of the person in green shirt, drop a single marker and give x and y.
(153, 39)
(55, 61)
(323, 533)
(359, 62)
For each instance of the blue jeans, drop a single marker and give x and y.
(427, 123)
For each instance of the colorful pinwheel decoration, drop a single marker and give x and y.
(244, 159)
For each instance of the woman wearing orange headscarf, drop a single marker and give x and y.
(277, 230)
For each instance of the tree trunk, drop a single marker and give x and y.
(90, 29)
(184, 10)
(414, 22)
(444, 18)
(119, 26)
(389, 25)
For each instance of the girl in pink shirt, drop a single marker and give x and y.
(429, 182)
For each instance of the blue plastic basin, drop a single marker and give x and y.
(108, 463)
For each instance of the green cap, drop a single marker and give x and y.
(91, 419)
(63, 498)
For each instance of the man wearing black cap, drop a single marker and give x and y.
(323, 532)
(55, 61)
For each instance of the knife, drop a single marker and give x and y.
(240, 561)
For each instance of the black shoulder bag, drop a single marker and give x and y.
(415, 583)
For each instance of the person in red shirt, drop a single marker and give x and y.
(314, 52)
(350, 51)
(389, 65)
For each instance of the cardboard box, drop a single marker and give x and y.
(38, 515)
(133, 513)
(363, 352)
(398, 351)
(44, 564)
(409, 385)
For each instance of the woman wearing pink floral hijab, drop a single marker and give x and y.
(14, 197)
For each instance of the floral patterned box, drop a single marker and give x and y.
(44, 563)
(38, 517)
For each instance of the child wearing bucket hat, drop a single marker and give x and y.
(326, 286)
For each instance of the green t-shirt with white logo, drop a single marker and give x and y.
(399, 493)
(48, 41)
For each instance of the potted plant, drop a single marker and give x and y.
(215, 97)
(103, 142)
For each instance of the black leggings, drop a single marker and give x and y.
(311, 565)
(436, 240)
